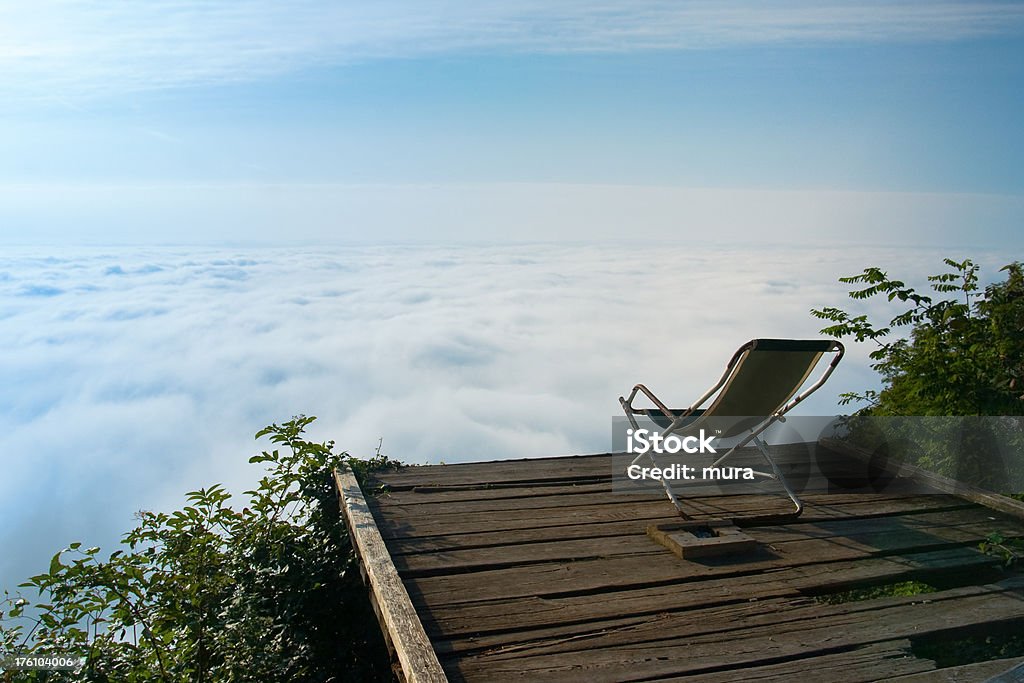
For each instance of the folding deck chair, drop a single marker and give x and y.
(756, 390)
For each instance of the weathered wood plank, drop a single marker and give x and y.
(476, 559)
(861, 664)
(993, 671)
(402, 624)
(822, 629)
(565, 469)
(405, 524)
(869, 534)
(727, 621)
(779, 548)
(1014, 674)
(419, 525)
(938, 482)
(978, 518)
(503, 622)
(526, 533)
(451, 495)
(444, 506)
(445, 511)
(540, 495)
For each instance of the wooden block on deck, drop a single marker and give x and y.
(702, 538)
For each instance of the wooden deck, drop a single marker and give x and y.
(534, 570)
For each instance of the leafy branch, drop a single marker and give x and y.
(210, 592)
(963, 353)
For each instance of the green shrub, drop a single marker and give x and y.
(963, 355)
(268, 592)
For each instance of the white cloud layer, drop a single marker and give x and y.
(129, 376)
(85, 47)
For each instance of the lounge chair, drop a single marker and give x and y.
(759, 386)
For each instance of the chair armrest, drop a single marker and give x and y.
(670, 415)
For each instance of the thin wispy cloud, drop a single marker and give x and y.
(85, 48)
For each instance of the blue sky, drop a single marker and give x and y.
(204, 122)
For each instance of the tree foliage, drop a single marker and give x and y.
(269, 592)
(956, 351)
(944, 356)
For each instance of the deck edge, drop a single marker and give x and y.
(994, 501)
(398, 617)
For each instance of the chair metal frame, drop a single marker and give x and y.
(693, 416)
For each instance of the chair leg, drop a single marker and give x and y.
(776, 473)
(778, 476)
(668, 489)
(650, 454)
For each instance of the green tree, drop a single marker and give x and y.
(270, 592)
(961, 353)
(957, 351)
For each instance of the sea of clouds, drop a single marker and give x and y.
(129, 376)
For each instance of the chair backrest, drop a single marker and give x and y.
(762, 377)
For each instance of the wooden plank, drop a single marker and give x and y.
(820, 629)
(537, 492)
(563, 469)
(497, 539)
(550, 504)
(487, 492)
(396, 525)
(567, 569)
(993, 671)
(405, 632)
(492, 624)
(522, 471)
(446, 511)
(974, 494)
(725, 622)
(418, 526)
(476, 559)
(979, 518)
(1014, 674)
(894, 532)
(407, 543)
(554, 579)
(862, 664)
